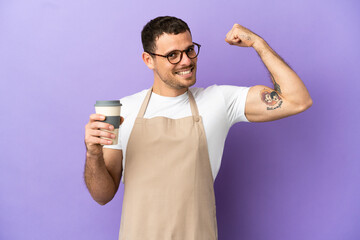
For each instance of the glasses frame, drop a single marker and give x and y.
(181, 54)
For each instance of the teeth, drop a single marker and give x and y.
(184, 72)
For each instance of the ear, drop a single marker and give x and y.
(148, 60)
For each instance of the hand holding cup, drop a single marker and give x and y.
(103, 127)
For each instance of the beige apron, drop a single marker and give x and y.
(169, 193)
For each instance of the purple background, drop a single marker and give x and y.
(295, 179)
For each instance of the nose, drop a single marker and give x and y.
(185, 60)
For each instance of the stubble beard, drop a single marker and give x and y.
(172, 81)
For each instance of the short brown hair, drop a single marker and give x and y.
(158, 26)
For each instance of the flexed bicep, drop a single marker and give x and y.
(265, 104)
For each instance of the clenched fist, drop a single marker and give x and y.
(241, 36)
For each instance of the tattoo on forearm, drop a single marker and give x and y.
(271, 99)
(276, 85)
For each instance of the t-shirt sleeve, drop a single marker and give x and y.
(235, 99)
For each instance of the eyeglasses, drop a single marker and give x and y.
(174, 57)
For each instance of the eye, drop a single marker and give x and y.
(190, 49)
(173, 55)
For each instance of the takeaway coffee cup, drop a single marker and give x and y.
(111, 109)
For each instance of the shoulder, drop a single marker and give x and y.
(130, 102)
(135, 96)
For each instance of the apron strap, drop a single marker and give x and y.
(144, 104)
(193, 106)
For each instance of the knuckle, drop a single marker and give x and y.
(97, 140)
(95, 117)
(102, 141)
(92, 117)
(97, 125)
(102, 133)
(105, 134)
(89, 140)
(90, 127)
(104, 126)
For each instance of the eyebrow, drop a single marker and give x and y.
(192, 45)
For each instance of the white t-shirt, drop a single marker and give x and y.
(219, 106)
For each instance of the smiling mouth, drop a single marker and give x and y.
(184, 72)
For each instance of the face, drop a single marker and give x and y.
(178, 76)
(275, 98)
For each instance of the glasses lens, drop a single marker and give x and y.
(192, 51)
(174, 57)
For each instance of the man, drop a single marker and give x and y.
(172, 139)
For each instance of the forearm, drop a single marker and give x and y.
(286, 82)
(98, 180)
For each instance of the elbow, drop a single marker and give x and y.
(305, 105)
(308, 103)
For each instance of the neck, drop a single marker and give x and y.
(165, 90)
(168, 92)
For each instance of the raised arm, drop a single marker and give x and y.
(103, 166)
(289, 95)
